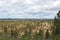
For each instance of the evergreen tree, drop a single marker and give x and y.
(5, 29)
(57, 23)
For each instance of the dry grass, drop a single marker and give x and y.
(23, 26)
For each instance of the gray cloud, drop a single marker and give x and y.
(30, 8)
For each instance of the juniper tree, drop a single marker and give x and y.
(57, 23)
(5, 29)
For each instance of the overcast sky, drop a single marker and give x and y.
(37, 9)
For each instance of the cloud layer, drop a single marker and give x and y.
(38, 9)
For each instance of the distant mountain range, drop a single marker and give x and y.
(22, 19)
